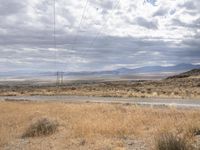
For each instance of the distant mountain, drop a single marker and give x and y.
(145, 70)
(25, 73)
(118, 72)
(159, 69)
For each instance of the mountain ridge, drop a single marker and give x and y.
(116, 72)
(145, 69)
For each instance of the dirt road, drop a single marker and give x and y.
(182, 103)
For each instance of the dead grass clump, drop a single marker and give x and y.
(194, 130)
(169, 141)
(41, 127)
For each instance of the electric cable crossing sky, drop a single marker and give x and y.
(138, 33)
(59, 74)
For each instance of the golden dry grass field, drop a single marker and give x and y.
(90, 126)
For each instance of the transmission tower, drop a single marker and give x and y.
(59, 74)
(60, 78)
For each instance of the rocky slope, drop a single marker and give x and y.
(193, 72)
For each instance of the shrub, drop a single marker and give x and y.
(41, 127)
(194, 130)
(169, 141)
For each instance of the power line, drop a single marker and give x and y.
(76, 36)
(59, 75)
(82, 17)
(100, 31)
(54, 39)
(54, 30)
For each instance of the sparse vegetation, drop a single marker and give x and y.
(191, 73)
(187, 87)
(194, 130)
(169, 141)
(89, 126)
(41, 127)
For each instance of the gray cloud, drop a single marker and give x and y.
(11, 7)
(194, 24)
(104, 6)
(145, 23)
(161, 12)
(26, 36)
(189, 5)
(106, 51)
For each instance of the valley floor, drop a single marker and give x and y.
(186, 88)
(92, 126)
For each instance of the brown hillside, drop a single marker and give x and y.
(193, 72)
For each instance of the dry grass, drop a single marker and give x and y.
(41, 127)
(174, 88)
(194, 130)
(92, 126)
(169, 141)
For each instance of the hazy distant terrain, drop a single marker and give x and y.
(186, 86)
(147, 72)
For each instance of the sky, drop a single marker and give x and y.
(98, 34)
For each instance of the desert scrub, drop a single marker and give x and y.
(194, 130)
(41, 127)
(169, 141)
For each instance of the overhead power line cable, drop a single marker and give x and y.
(55, 43)
(98, 34)
(54, 29)
(79, 26)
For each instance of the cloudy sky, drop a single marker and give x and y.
(98, 34)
